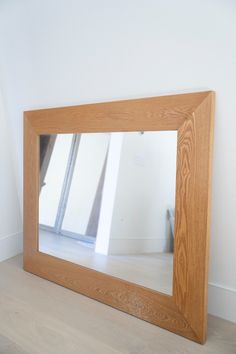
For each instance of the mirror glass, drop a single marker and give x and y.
(107, 202)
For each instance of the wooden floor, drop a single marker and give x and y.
(37, 316)
(152, 270)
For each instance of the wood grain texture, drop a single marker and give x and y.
(192, 216)
(155, 113)
(40, 317)
(31, 189)
(136, 300)
(192, 115)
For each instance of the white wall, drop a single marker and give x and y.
(145, 190)
(10, 220)
(62, 52)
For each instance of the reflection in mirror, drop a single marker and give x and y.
(107, 202)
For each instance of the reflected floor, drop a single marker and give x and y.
(152, 270)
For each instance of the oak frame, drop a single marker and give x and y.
(185, 312)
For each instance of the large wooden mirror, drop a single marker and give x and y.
(116, 204)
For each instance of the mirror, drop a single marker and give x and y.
(105, 205)
(107, 202)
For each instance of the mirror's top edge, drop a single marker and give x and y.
(132, 100)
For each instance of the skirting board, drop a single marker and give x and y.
(222, 302)
(11, 245)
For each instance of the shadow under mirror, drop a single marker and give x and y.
(107, 202)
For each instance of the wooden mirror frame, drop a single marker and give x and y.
(185, 311)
